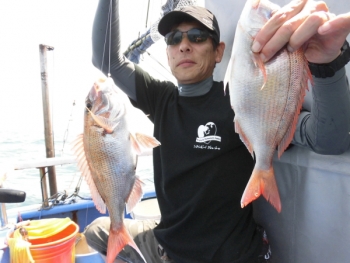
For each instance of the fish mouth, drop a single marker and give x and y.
(97, 101)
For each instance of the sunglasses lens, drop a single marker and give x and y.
(173, 38)
(197, 35)
(194, 35)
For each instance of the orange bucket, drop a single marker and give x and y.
(56, 248)
(55, 244)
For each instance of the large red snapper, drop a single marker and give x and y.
(266, 98)
(106, 154)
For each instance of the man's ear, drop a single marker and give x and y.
(220, 52)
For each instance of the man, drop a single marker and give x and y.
(199, 182)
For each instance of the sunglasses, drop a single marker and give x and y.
(194, 35)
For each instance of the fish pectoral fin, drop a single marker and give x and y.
(117, 240)
(261, 65)
(135, 195)
(262, 182)
(134, 144)
(104, 123)
(146, 141)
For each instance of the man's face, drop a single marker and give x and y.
(193, 62)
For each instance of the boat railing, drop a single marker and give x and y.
(43, 164)
(12, 196)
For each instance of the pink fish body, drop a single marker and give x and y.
(266, 98)
(106, 154)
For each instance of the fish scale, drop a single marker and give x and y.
(108, 163)
(266, 98)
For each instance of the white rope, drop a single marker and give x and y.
(109, 26)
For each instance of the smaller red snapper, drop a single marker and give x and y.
(266, 99)
(106, 154)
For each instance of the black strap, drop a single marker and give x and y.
(329, 69)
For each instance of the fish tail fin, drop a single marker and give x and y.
(262, 182)
(117, 240)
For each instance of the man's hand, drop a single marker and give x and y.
(336, 27)
(307, 24)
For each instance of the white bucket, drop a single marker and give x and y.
(84, 253)
(147, 209)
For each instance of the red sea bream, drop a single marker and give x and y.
(106, 154)
(266, 98)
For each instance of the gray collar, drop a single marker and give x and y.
(196, 89)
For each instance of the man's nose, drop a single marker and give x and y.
(185, 44)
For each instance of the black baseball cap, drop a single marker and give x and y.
(198, 13)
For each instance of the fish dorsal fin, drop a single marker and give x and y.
(79, 152)
(105, 123)
(287, 138)
(135, 195)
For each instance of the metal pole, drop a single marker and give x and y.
(49, 142)
(147, 14)
(43, 187)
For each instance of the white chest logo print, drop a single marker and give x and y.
(207, 133)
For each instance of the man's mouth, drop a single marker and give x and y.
(186, 62)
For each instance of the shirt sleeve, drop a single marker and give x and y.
(324, 122)
(106, 54)
(151, 93)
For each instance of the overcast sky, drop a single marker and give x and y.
(66, 25)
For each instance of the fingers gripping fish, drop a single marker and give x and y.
(106, 154)
(266, 99)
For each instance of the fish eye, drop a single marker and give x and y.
(88, 105)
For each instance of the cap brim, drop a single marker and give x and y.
(189, 13)
(169, 20)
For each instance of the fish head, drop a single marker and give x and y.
(255, 14)
(103, 99)
(104, 104)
